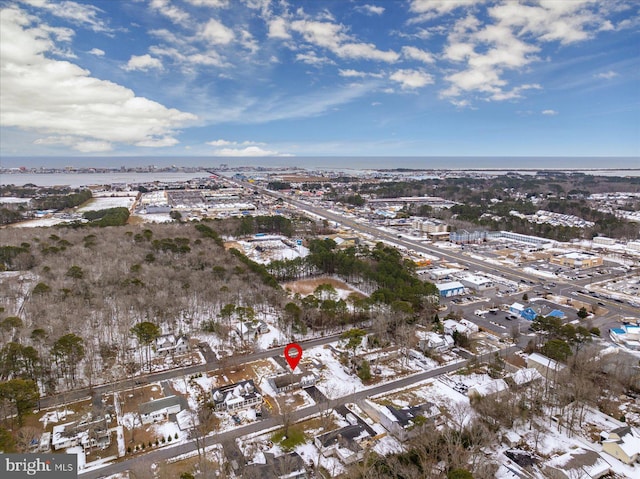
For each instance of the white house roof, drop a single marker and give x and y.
(525, 376)
(449, 285)
(545, 361)
(581, 464)
(491, 387)
(630, 444)
(517, 306)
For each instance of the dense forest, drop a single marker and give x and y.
(78, 292)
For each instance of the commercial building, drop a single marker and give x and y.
(578, 260)
(627, 335)
(634, 245)
(424, 227)
(603, 240)
(452, 288)
(477, 283)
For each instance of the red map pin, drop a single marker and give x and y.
(293, 354)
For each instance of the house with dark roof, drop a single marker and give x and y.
(401, 422)
(291, 382)
(288, 466)
(237, 396)
(343, 443)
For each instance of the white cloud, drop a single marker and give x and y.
(312, 58)
(80, 14)
(332, 37)
(278, 28)
(413, 53)
(351, 73)
(429, 9)
(175, 14)
(508, 39)
(209, 3)
(411, 79)
(83, 146)
(217, 33)
(549, 112)
(62, 100)
(220, 143)
(158, 142)
(370, 9)
(97, 52)
(143, 63)
(606, 75)
(248, 151)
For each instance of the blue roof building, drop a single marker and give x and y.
(529, 314)
(452, 288)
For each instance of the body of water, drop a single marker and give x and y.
(602, 166)
(75, 180)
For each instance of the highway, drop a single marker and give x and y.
(272, 422)
(615, 309)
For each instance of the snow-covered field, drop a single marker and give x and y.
(106, 202)
(155, 218)
(39, 223)
(12, 200)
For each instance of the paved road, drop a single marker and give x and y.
(224, 438)
(86, 393)
(616, 310)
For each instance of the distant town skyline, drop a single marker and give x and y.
(261, 78)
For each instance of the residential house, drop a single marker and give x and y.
(288, 466)
(160, 409)
(290, 381)
(431, 341)
(343, 443)
(523, 377)
(234, 397)
(400, 422)
(249, 330)
(576, 464)
(623, 443)
(170, 344)
(547, 367)
(463, 326)
(491, 388)
(88, 435)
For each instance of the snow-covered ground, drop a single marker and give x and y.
(338, 381)
(55, 416)
(40, 223)
(106, 202)
(155, 218)
(538, 272)
(12, 200)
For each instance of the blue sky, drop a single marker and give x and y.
(320, 78)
